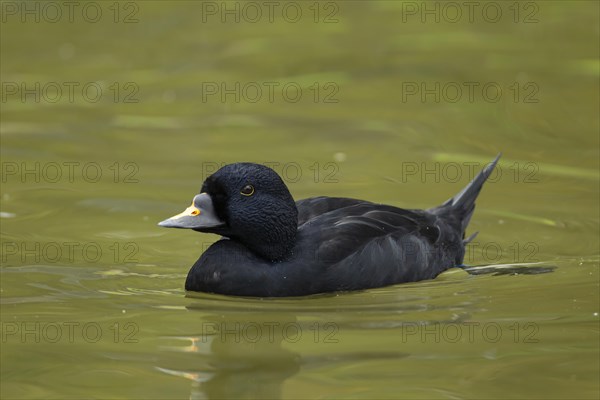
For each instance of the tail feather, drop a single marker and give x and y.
(470, 238)
(463, 203)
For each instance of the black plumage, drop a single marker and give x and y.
(273, 246)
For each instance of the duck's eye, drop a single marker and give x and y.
(247, 190)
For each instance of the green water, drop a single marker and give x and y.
(92, 294)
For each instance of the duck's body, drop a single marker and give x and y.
(337, 244)
(342, 244)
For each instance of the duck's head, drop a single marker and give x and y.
(245, 202)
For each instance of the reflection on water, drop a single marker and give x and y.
(249, 348)
(238, 357)
(511, 270)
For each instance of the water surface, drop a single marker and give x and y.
(93, 304)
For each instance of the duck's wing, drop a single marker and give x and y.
(346, 230)
(394, 258)
(369, 245)
(317, 206)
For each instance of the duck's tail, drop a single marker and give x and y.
(463, 204)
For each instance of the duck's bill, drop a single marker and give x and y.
(200, 215)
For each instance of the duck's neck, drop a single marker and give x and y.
(275, 239)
